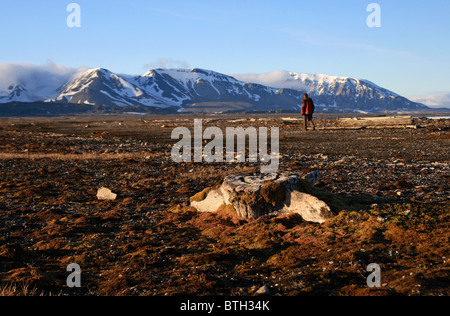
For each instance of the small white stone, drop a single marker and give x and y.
(106, 194)
(263, 291)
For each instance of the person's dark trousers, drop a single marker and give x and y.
(306, 119)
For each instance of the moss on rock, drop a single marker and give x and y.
(201, 196)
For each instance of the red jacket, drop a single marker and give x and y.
(307, 106)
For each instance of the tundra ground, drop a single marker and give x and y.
(392, 208)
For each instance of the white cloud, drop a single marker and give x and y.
(270, 78)
(42, 80)
(285, 79)
(434, 100)
(167, 63)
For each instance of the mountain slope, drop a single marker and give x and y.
(102, 87)
(15, 92)
(188, 87)
(336, 92)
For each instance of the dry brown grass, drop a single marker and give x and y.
(72, 157)
(18, 290)
(22, 290)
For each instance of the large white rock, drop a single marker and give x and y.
(256, 196)
(309, 207)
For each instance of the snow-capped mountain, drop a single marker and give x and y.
(182, 88)
(15, 92)
(20, 92)
(336, 92)
(199, 90)
(188, 88)
(102, 87)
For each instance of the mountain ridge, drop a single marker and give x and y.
(201, 90)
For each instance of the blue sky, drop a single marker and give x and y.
(408, 54)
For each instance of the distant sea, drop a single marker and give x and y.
(438, 117)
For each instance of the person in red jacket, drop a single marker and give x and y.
(308, 111)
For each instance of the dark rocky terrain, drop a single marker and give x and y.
(388, 187)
